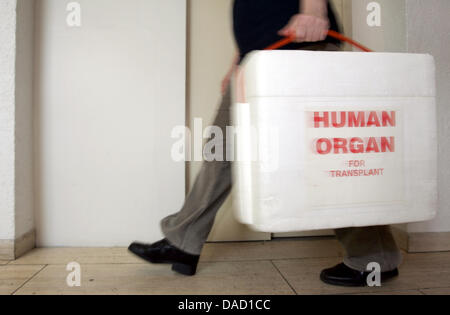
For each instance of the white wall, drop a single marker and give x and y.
(391, 35)
(24, 214)
(107, 97)
(7, 119)
(428, 31)
(16, 189)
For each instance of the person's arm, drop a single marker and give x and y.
(311, 24)
(227, 79)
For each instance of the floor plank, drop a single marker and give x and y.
(212, 252)
(259, 278)
(63, 256)
(418, 271)
(303, 276)
(403, 292)
(225, 268)
(425, 271)
(12, 277)
(315, 247)
(436, 291)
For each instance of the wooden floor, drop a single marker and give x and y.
(277, 267)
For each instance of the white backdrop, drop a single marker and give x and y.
(107, 95)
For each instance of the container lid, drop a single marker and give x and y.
(295, 73)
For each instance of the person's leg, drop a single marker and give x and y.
(364, 246)
(369, 244)
(189, 228)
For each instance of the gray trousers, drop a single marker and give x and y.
(189, 228)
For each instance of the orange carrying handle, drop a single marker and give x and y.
(334, 34)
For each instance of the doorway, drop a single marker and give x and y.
(109, 88)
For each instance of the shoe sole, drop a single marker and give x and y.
(384, 279)
(341, 284)
(184, 269)
(187, 270)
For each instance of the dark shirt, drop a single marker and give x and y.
(256, 23)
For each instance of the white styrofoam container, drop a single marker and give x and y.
(375, 163)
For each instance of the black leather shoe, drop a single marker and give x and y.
(163, 252)
(341, 275)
